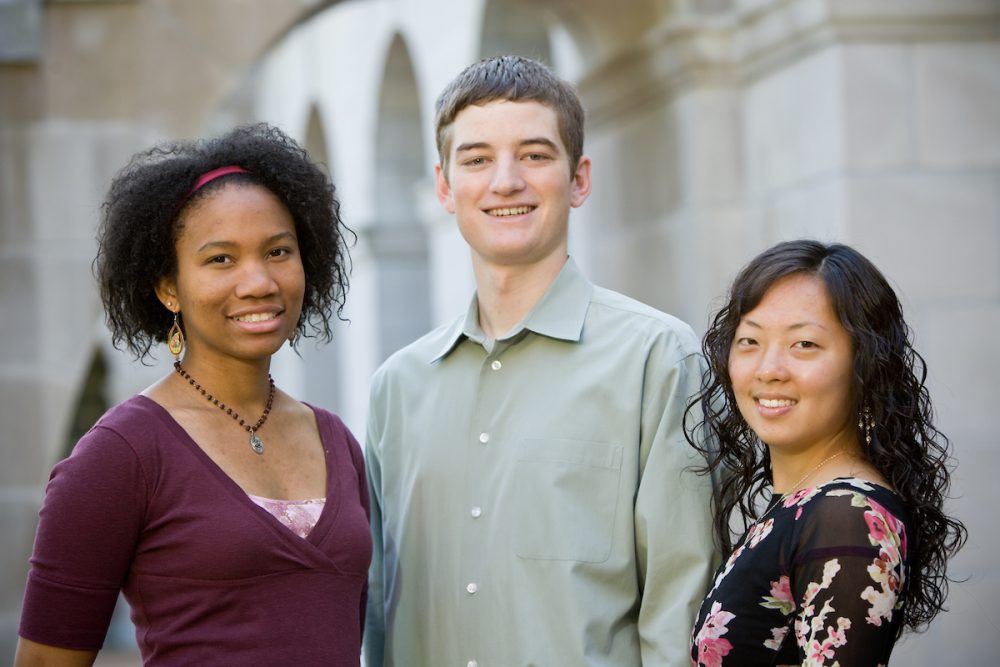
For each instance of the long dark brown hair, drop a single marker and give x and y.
(889, 378)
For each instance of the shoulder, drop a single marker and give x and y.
(331, 425)
(425, 348)
(134, 424)
(325, 419)
(849, 510)
(333, 431)
(843, 494)
(627, 308)
(634, 318)
(120, 449)
(416, 357)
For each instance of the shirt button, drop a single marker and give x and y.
(476, 512)
(496, 365)
(472, 588)
(484, 437)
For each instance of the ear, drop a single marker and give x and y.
(580, 187)
(166, 292)
(443, 189)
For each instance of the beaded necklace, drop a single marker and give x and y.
(255, 442)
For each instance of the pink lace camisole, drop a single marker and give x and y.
(299, 516)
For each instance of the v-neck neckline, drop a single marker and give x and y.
(331, 507)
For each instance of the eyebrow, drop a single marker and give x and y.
(532, 141)
(790, 327)
(232, 244)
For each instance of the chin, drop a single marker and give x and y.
(772, 439)
(258, 352)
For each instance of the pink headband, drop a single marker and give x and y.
(210, 176)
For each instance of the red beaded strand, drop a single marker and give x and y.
(255, 442)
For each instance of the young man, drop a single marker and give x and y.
(533, 502)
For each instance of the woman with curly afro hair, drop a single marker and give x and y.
(233, 517)
(814, 390)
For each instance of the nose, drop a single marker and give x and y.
(256, 281)
(507, 177)
(771, 366)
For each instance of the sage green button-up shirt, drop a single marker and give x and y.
(532, 499)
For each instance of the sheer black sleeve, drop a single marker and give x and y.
(846, 577)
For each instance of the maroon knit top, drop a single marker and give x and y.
(211, 577)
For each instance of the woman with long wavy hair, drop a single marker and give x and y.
(815, 393)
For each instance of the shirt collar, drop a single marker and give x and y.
(560, 313)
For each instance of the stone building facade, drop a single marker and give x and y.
(717, 127)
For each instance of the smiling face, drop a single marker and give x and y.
(508, 183)
(239, 281)
(791, 366)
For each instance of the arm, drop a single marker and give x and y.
(374, 635)
(33, 654)
(88, 528)
(845, 593)
(675, 551)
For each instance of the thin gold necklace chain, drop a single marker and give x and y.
(797, 484)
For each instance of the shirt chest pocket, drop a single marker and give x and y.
(565, 499)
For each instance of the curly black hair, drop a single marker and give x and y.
(144, 206)
(889, 376)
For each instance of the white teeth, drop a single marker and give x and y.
(255, 317)
(504, 212)
(775, 402)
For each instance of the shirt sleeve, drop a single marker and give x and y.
(675, 550)
(88, 529)
(845, 581)
(374, 631)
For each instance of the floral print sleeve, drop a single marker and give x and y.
(816, 584)
(847, 576)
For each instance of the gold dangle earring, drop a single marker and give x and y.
(175, 339)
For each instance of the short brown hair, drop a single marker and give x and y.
(515, 79)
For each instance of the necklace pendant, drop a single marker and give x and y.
(256, 443)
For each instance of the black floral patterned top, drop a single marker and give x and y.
(816, 581)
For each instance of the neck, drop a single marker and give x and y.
(239, 383)
(793, 471)
(507, 293)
